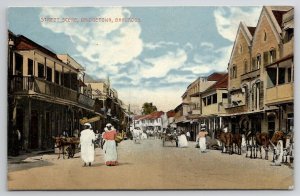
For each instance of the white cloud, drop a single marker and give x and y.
(106, 44)
(228, 18)
(161, 65)
(161, 44)
(207, 45)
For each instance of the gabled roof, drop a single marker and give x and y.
(216, 76)
(220, 84)
(137, 117)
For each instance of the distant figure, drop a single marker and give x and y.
(65, 133)
(182, 140)
(188, 135)
(202, 140)
(225, 130)
(110, 147)
(137, 135)
(87, 139)
(76, 133)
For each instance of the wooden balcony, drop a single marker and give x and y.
(33, 85)
(251, 74)
(280, 94)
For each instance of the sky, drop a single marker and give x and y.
(152, 58)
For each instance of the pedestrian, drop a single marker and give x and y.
(202, 140)
(110, 147)
(182, 140)
(188, 135)
(87, 138)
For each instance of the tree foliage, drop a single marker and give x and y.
(148, 108)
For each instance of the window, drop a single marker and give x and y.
(19, 64)
(271, 125)
(272, 55)
(41, 70)
(281, 77)
(258, 61)
(49, 74)
(224, 95)
(30, 67)
(241, 49)
(214, 98)
(272, 72)
(208, 100)
(265, 36)
(57, 76)
(289, 74)
(290, 122)
(204, 101)
(245, 66)
(234, 71)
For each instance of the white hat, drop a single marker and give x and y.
(202, 129)
(88, 124)
(108, 125)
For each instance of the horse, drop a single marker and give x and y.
(225, 140)
(262, 141)
(229, 142)
(237, 142)
(251, 144)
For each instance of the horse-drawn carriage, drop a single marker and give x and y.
(169, 137)
(66, 145)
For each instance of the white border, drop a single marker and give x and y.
(133, 3)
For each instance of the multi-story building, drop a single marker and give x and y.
(213, 101)
(43, 94)
(154, 121)
(260, 73)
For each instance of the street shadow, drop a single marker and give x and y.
(23, 165)
(124, 163)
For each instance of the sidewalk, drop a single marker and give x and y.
(28, 156)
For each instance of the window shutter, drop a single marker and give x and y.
(261, 95)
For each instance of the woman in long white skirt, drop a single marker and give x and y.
(182, 141)
(110, 147)
(202, 140)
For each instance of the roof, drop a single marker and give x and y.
(278, 15)
(251, 30)
(222, 83)
(137, 117)
(171, 113)
(153, 115)
(216, 76)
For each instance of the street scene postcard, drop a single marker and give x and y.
(150, 98)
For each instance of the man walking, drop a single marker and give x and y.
(87, 138)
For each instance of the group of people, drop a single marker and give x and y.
(201, 139)
(87, 142)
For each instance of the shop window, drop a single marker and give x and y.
(290, 122)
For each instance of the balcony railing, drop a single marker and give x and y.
(251, 74)
(280, 93)
(25, 84)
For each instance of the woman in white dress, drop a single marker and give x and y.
(182, 141)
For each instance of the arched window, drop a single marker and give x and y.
(241, 49)
(265, 36)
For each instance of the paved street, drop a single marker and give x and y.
(150, 166)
